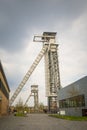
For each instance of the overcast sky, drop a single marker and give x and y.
(20, 20)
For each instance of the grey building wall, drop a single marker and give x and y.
(77, 88)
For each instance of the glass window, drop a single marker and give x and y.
(76, 101)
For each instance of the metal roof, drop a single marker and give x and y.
(50, 33)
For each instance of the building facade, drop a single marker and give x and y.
(73, 98)
(4, 93)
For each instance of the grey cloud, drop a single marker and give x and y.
(18, 18)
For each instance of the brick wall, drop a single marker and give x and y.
(4, 93)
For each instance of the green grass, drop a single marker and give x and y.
(20, 114)
(73, 118)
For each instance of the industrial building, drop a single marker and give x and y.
(4, 93)
(73, 98)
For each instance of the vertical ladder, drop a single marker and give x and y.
(28, 74)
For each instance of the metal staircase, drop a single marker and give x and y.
(28, 74)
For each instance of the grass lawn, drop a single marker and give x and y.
(20, 114)
(73, 118)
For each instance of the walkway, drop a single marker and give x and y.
(39, 122)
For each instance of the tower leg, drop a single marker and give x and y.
(52, 104)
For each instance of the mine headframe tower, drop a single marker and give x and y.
(34, 90)
(34, 93)
(52, 75)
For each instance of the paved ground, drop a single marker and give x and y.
(39, 122)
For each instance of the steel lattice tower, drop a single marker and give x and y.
(52, 76)
(34, 90)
